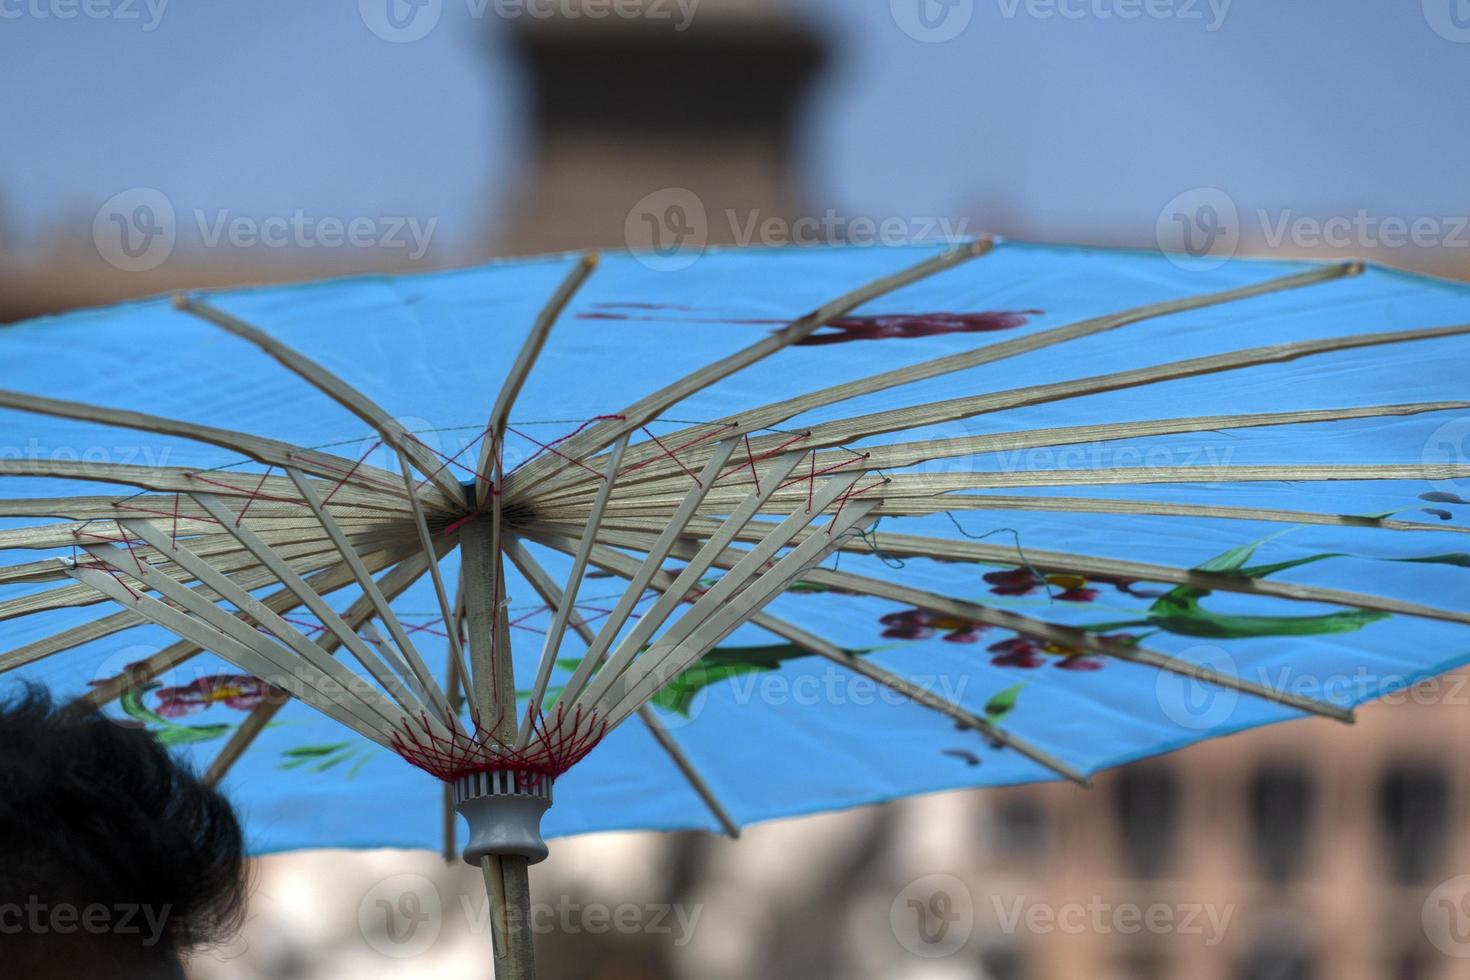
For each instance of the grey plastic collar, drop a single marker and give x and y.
(504, 811)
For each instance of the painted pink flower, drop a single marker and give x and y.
(239, 691)
(899, 325)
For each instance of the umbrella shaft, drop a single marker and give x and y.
(508, 885)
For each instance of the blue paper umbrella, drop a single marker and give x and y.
(778, 532)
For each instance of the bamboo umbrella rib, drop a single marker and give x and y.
(228, 648)
(329, 618)
(419, 670)
(289, 513)
(426, 542)
(307, 557)
(778, 412)
(600, 436)
(125, 620)
(243, 737)
(554, 598)
(1061, 635)
(563, 612)
(654, 561)
(181, 480)
(864, 426)
(269, 451)
(521, 369)
(900, 455)
(1153, 508)
(1105, 569)
(323, 673)
(344, 394)
(261, 614)
(281, 601)
(632, 645)
(923, 489)
(626, 566)
(650, 673)
(724, 596)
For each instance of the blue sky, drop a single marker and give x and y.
(1057, 119)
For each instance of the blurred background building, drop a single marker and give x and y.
(192, 145)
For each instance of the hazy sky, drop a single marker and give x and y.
(1071, 119)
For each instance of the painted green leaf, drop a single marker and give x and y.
(1003, 703)
(168, 733)
(723, 664)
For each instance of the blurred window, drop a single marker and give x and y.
(1280, 958)
(1021, 826)
(1414, 813)
(1148, 817)
(1282, 797)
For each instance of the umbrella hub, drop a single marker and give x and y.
(503, 809)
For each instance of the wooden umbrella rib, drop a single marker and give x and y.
(640, 413)
(365, 703)
(627, 566)
(545, 587)
(281, 601)
(441, 595)
(650, 673)
(562, 613)
(268, 451)
(368, 658)
(900, 455)
(681, 516)
(718, 597)
(521, 369)
(261, 614)
(426, 686)
(632, 645)
(1060, 635)
(1148, 508)
(850, 430)
(778, 412)
(226, 647)
(344, 394)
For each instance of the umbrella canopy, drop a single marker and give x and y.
(1077, 507)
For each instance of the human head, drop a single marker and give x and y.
(114, 859)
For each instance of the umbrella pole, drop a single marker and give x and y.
(507, 879)
(508, 885)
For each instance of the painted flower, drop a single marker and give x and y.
(239, 691)
(921, 624)
(1027, 654)
(915, 325)
(1023, 581)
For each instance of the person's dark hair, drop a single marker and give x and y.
(97, 818)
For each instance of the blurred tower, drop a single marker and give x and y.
(675, 122)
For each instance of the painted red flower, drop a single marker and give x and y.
(921, 624)
(901, 325)
(239, 691)
(1023, 582)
